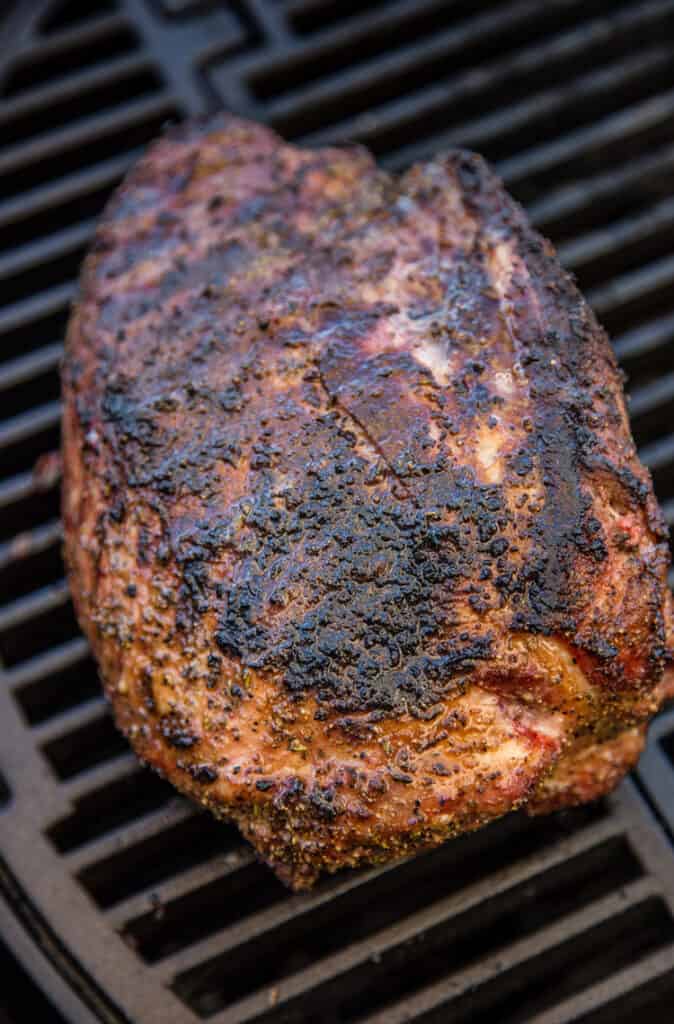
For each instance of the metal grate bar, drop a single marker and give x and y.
(73, 718)
(20, 427)
(607, 82)
(218, 867)
(436, 104)
(17, 487)
(349, 970)
(597, 245)
(35, 604)
(645, 340)
(574, 102)
(55, 300)
(576, 203)
(117, 769)
(657, 764)
(72, 86)
(632, 287)
(256, 925)
(88, 33)
(658, 454)
(610, 990)
(53, 247)
(25, 368)
(521, 167)
(638, 294)
(507, 959)
(84, 132)
(144, 826)
(652, 398)
(402, 62)
(57, 658)
(31, 542)
(632, 123)
(103, 175)
(416, 923)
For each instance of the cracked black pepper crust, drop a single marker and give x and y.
(354, 521)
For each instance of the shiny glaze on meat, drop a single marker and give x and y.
(354, 520)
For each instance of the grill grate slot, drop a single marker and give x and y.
(589, 955)
(84, 748)
(31, 559)
(31, 379)
(536, 79)
(247, 890)
(76, 97)
(35, 623)
(308, 16)
(105, 808)
(45, 264)
(653, 1001)
(51, 685)
(66, 677)
(321, 929)
(659, 457)
(631, 298)
(71, 12)
(54, 208)
(647, 351)
(102, 39)
(21, 999)
(27, 436)
(96, 138)
(171, 852)
(22, 331)
(25, 503)
(618, 138)
(667, 743)
(412, 23)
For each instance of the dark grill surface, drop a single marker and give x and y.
(121, 900)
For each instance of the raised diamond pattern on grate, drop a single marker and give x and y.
(574, 102)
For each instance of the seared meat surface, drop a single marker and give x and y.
(354, 522)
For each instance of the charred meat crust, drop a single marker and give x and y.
(354, 521)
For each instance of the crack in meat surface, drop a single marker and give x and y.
(354, 521)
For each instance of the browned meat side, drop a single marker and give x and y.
(354, 521)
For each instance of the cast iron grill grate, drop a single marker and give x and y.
(124, 901)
